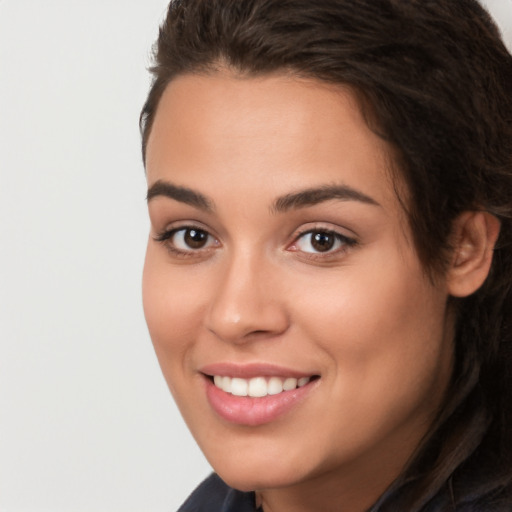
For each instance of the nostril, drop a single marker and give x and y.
(259, 333)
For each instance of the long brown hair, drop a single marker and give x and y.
(435, 81)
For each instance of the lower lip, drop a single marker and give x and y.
(245, 410)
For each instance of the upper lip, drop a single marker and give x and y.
(250, 370)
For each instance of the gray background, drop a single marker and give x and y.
(86, 421)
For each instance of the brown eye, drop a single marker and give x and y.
(322, 241)
(195, 238)
(188, 239)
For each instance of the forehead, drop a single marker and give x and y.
(256, 128)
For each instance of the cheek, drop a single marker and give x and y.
(383, 304)
(385, 335)
(172, 308)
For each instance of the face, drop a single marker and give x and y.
(288, 308)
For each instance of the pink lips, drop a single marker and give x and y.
(249, 411)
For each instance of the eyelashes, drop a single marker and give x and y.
(315, 243)
(187, 240)
(321, 241)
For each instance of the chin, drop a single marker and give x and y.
(249, 472)
(251, 479)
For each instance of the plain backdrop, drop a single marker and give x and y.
(86, 420)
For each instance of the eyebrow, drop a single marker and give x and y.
(313, 196)
(181, 194)
(292, 201)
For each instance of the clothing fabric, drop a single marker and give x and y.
(213, 495)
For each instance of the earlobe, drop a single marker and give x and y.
(474, 237)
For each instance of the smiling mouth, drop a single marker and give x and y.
(258, 387)
(255, 395)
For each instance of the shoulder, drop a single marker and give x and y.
(213, 495)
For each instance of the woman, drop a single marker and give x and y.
(327, 280)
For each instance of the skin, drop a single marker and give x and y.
(363, 316)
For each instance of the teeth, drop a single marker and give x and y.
(258, 386)
(239, 387)
(226, 384)
(274, 386)
(303, 381)
(289, 384)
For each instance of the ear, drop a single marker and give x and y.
(474, 236)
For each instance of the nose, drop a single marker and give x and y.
(246, 303)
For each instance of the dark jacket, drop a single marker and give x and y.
(213, 495)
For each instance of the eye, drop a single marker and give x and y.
(190, 238)
(322, 241)
(187, 239)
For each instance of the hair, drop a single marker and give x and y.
(434, 80)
